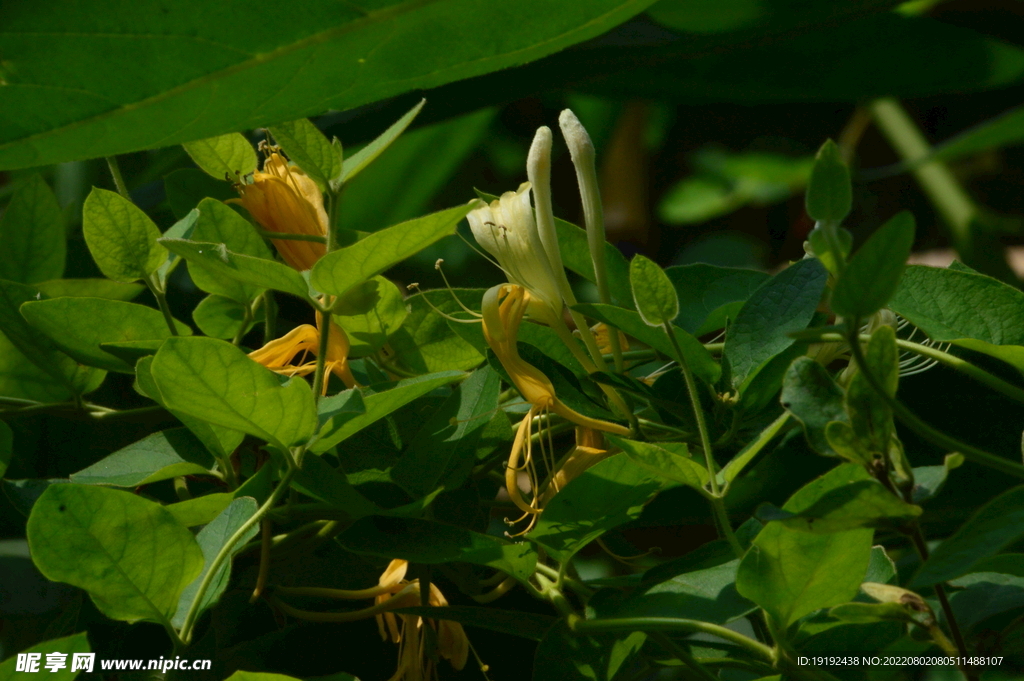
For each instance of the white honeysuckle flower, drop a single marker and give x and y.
(538, 171)
(506, 229)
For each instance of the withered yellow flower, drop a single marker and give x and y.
(279, 355)
(282, 198)
(408, 631)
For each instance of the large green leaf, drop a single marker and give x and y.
(307, 147)
(32, 237)
(709, 295)
(606, 495)
(342, 425)
(224, 157)
(425, 541)
(96, 321)
(966, 308)
(997, 525)
(90, 288)
(220, 68)
(373, 311)
(216, 382)
(708, 595)
(121, 238)
(653, 293)
(69, 646)
(244, 269)
(783, 304)
(873, 274)
(862, 503)
(670, 461)
(445, 449)
(791, 573)
(428, 342)
(815, 399)
(572, 242)
(211, 539)
(219, 224)
(342, 269)
(61, 369)
(160, 456)
(200, 510)
(131, 555)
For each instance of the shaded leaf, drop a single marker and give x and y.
(245, 269)
(32, 236)
(224, 157)
(829, 191)
(160, 456)
(873, 274)
(708, 294)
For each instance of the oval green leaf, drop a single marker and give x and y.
(653, 293)
(121, 238)
(873, 274)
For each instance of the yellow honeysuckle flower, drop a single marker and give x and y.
(506, 229)
(588, 450)
(408, 631)
(282, 198)
(279, 355)
(503, 309)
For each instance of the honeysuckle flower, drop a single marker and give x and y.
(282, 198)
(589, 450)
(409, 632)
(279, 355)
(506, 229)
(503, 309)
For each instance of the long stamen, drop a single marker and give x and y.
(437, 266)
(416, 287)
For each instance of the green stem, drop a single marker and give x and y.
(321, 354)
(675, 624)
(287, 236)
(683, 656)
(943, 190)
(161, 301)
(698, 411)
(722, 519)
(934, 436)
(242, 330)
(752, 449)
(224, 554)
(115, 172)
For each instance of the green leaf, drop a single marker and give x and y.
(21, 378)
(342, 269)
(1006, 129)
(563, 654)
(160, 456)
(606, 495)
(32, 236)
(200, 510)
(227, 157)
(307, 147)
(829, 191)
(426, 541)
(670, 461)
(245, 269)
(90, 288)
(121, 238)
(573, 244)
(870, 417)
(377, 314)
(218, 73)
(216, 382)
(218, 223)
(965, 308)
(929, 480)
(528, 625)
(709, 295)
(130, 554)
(810, 394)
(700, 360)
(708, 595)
(653, 293)
(446, 448)
(873, 274)
(378, 405)
(69, 645)
(863, 503)
(182, 229)
(97, 321)
(320, 480)
(365, 156)
(998, 524)
(791, 573)
(783, 304)
(65, 372)
(987, 593)
(220, 441)
(426, 342)
(220, 317)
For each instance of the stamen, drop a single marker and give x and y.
(437, 266)
(416, 287)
